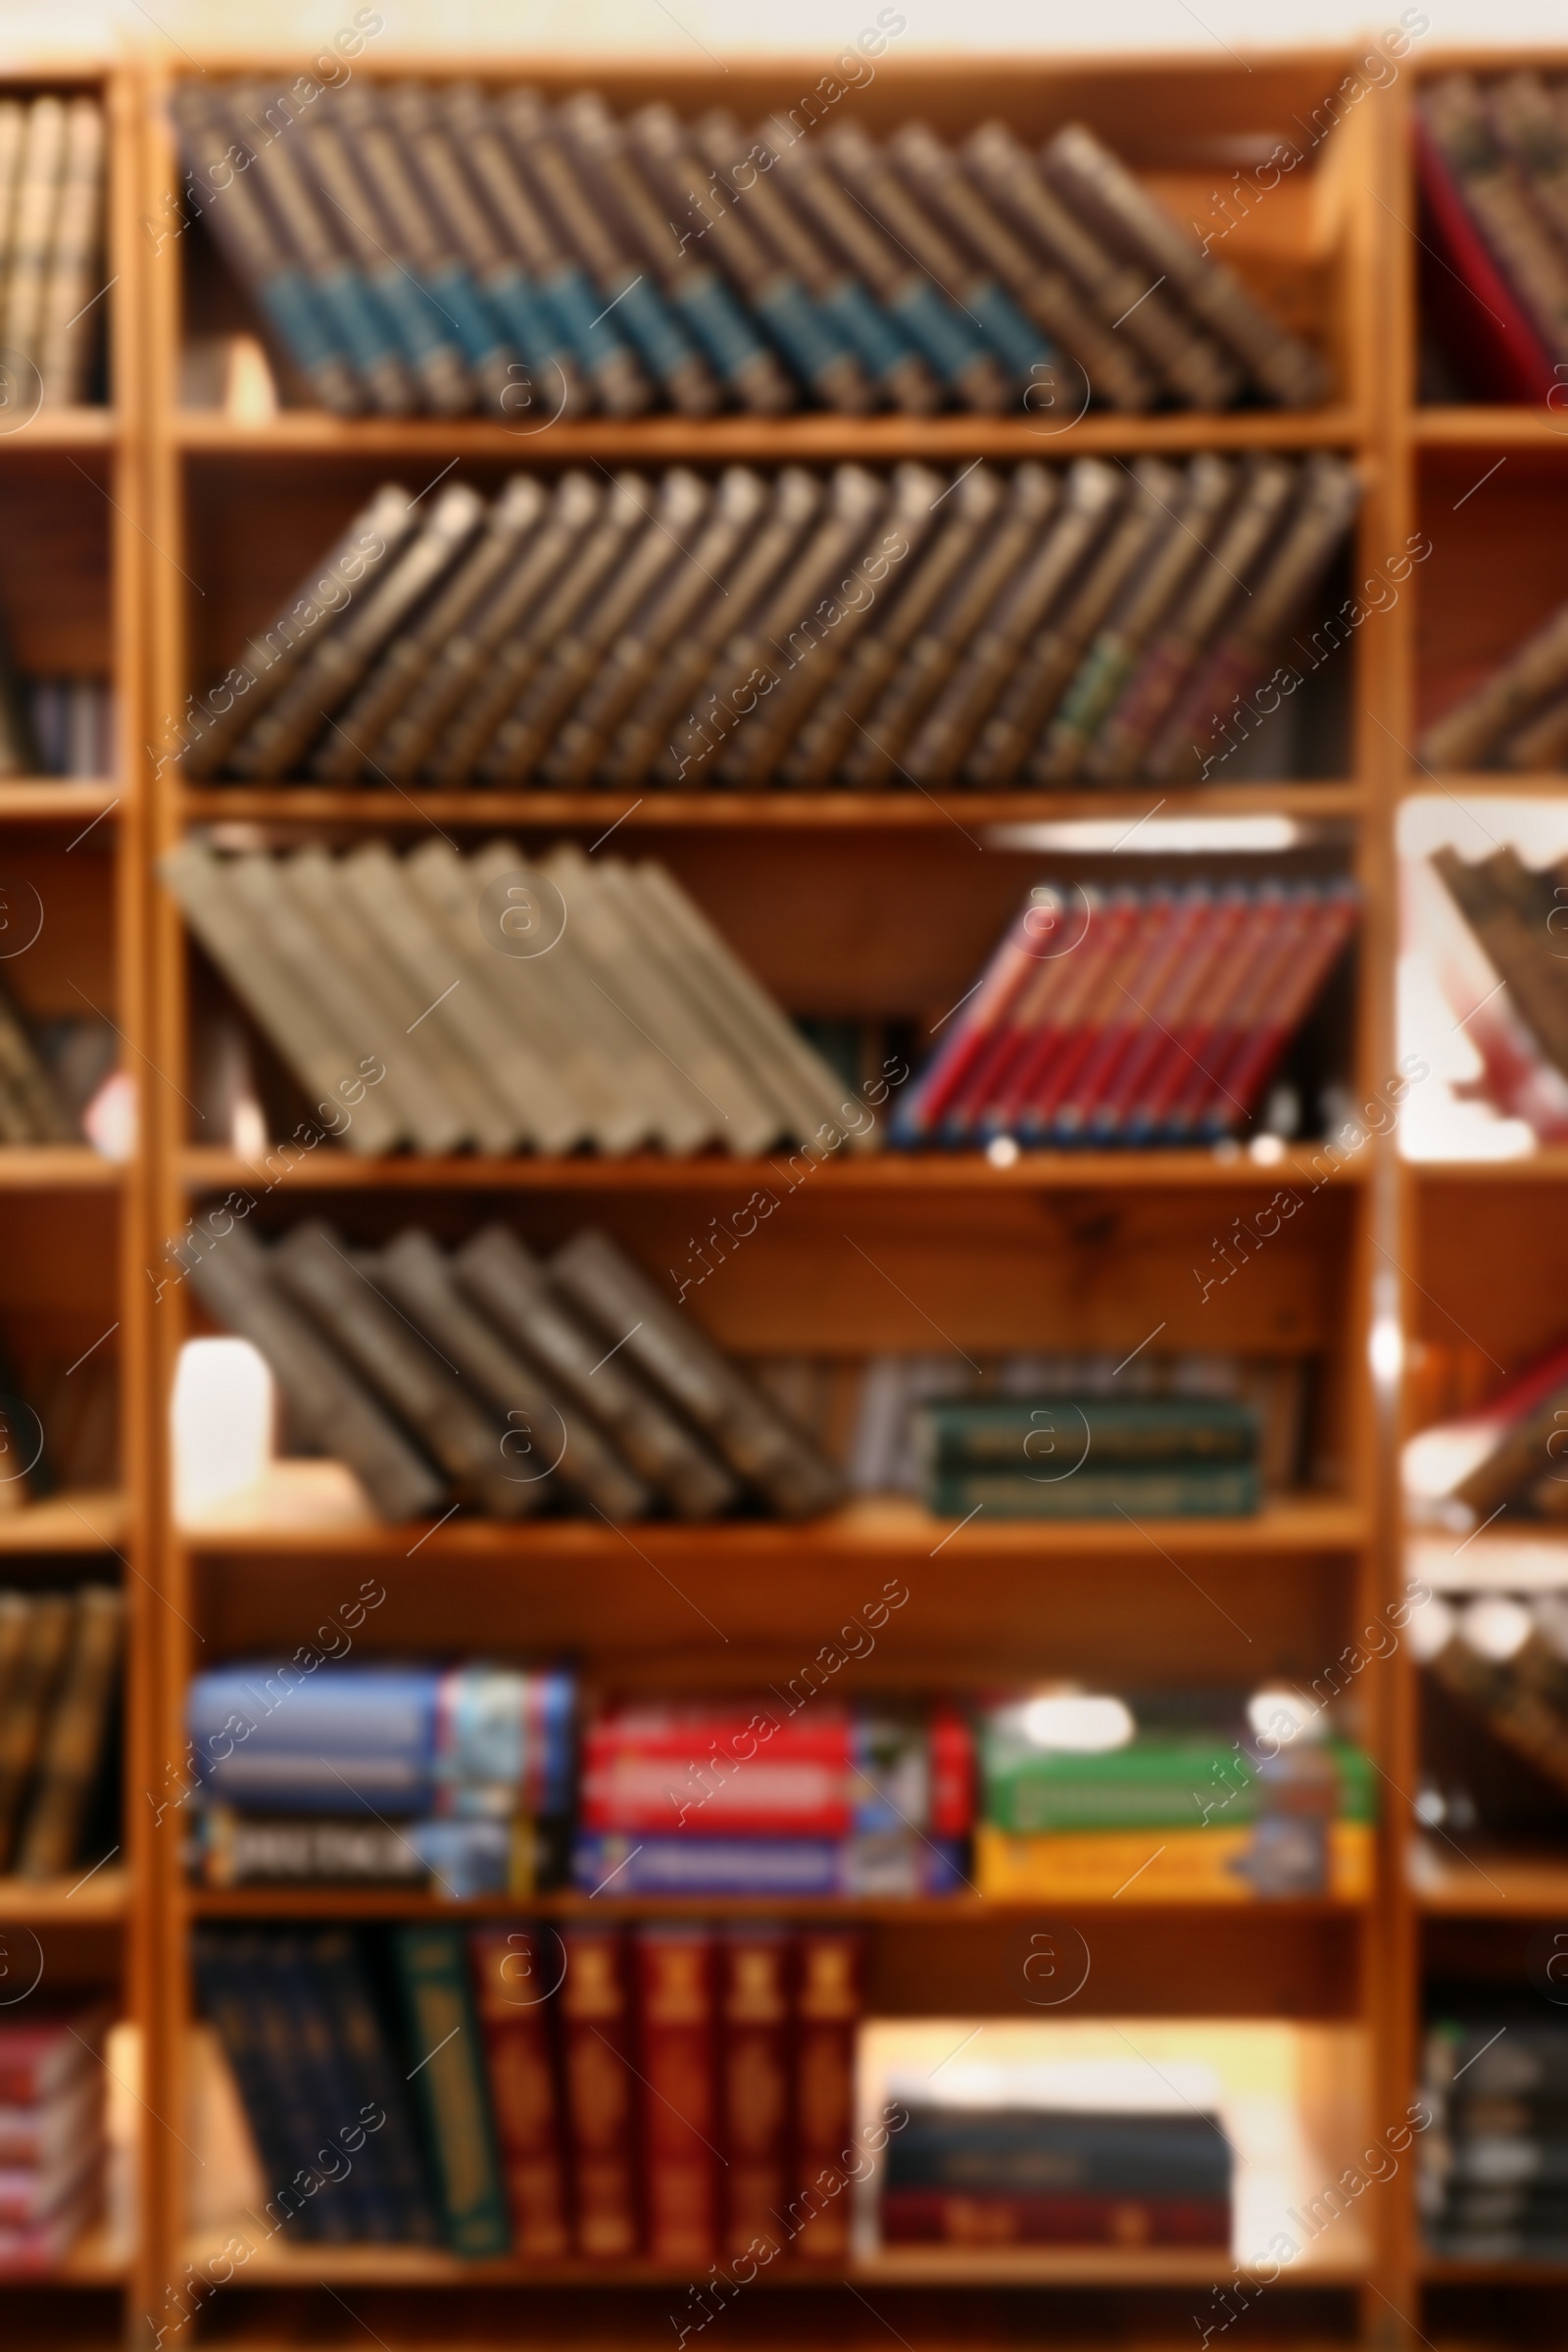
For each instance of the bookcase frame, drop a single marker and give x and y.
(1329, 1561)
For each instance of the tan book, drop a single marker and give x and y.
(70, 319)
(225, 920)
(1281, 366)
(339, 657)
(51, 1618)
(13, 135)
(1497, 196)
(1468, 735)
(1091, 494)
(71, 1753)
(1507, 908)
(37, 200)
(1522, 114)
(1543, 742)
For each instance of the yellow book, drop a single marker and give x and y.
(1153, 1866)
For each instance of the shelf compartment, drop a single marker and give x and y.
(89, 1897)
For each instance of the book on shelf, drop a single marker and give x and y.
(1517, 717)
(1081, 1795)
(443, 1003)
(529, 1411)
(51, 234)
(1493, 2184)
(450, 247)
(515, 1972)
(442, 2031)
(52, 2133)
(1137, 1015)
(1085, 622)
(59, 1699)
(1000, 2176)
(1069, 1457)
(1490, 164)
(1506, 1662)
(1502, 1451)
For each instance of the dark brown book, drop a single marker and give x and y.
(827, 2009)
(1469, 735)
(677, 1357)
(502, 1279)
(73, 1746)
(512, 1970)
(677, 2060)
(755, 2083)
(22, 1725)
(326, 1401)
(601, 2092)
(1507, 910)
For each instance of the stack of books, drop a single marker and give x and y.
(1503, 1453)
(772, 1796)
(1493, 158)
(446, 1001)
(667, 2092)
(1516, 718)
(1493, 2181)
(51, 2133)
(457, 1778)
(1015, 2175)
(1081, 1796)
(483, 1376)
(51, 235)
(1070, 1457)
(59, 1701)
(1131, 1014)
(451, 249)
(1485, 944)
(990, 628)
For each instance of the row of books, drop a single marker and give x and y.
(451, 249)
(1493, 2171)
(667, 2092)
(443, 1001)
(1493, 160)
(51, 236)
(1517, 717)
(1506, 1661)
(53, 726)
(481, 1781)
(1134, 1014)
(1074, 1457)
(1519, 1029)
(59, 1703)
(52, 2115)
(483, 1375)
(988, 628)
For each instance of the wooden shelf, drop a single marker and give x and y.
(1479, 426)
(85, 1521)
(864, 1535)
(757, 440)
(894, 810)
(1547, 1164)
(57, 1167)
(914, 1911)
(86, 1896)
(62, 428)
(1488, 1885)
(56, 799)
(1445, 2270)
(893, 1174)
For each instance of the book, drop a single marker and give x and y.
(676, 2044)
(31, 1696)
(899, 1863)
(443, 2038)
(827, 2005)
(1238, 1863)
(1018, 2175)
(600, 2092)
(755, 2083)
(42, 165)
(1498, 245)
(1509, 907)
(512, 1973)
(1473, 731)
(45, 2057)
(66, 332)
(72, 1750)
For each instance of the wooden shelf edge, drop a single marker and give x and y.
(90, 1896)
(57, 1167)
(1478, 425)
(1488, 1883)
(761, 440)
(34, 799)
(870, 1532)
(761, 812)
(206, 1169)
(85, 1521)
(956, 1910)
(62, 428)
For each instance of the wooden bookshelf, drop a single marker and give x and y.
(147, 539)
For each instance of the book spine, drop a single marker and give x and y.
(677, 2055)
(444, 2039)
(827, 2008)
(512, 1973)
(601, 2104)
(913, 2217)
(754, 2084)
(402, 2204)
(73, 1743)
(1205, 1493)
(67, 331)
(22, 1730)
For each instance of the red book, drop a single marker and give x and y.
(600, 2088)
(512, 1971)
(1467, 297)
(827, 2008)
(675, 2040)
(951, 1774)
(1188, 1061)
(1046, 1046)
(936, 2217)
(1120, 1011)
(744, 1772)
(1147, 1010)
(1009, 969)
(1264, 948)
(1249, 1069)
(38, 2059)
(754, 2004)
(1166, 1039)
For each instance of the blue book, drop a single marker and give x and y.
(343, 1739)
(618, 1863)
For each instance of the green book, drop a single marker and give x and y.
(1204, 1492)
(447, 2060)
(1177, 1780)
(1048, 1434)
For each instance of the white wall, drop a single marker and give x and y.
(813, 26)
